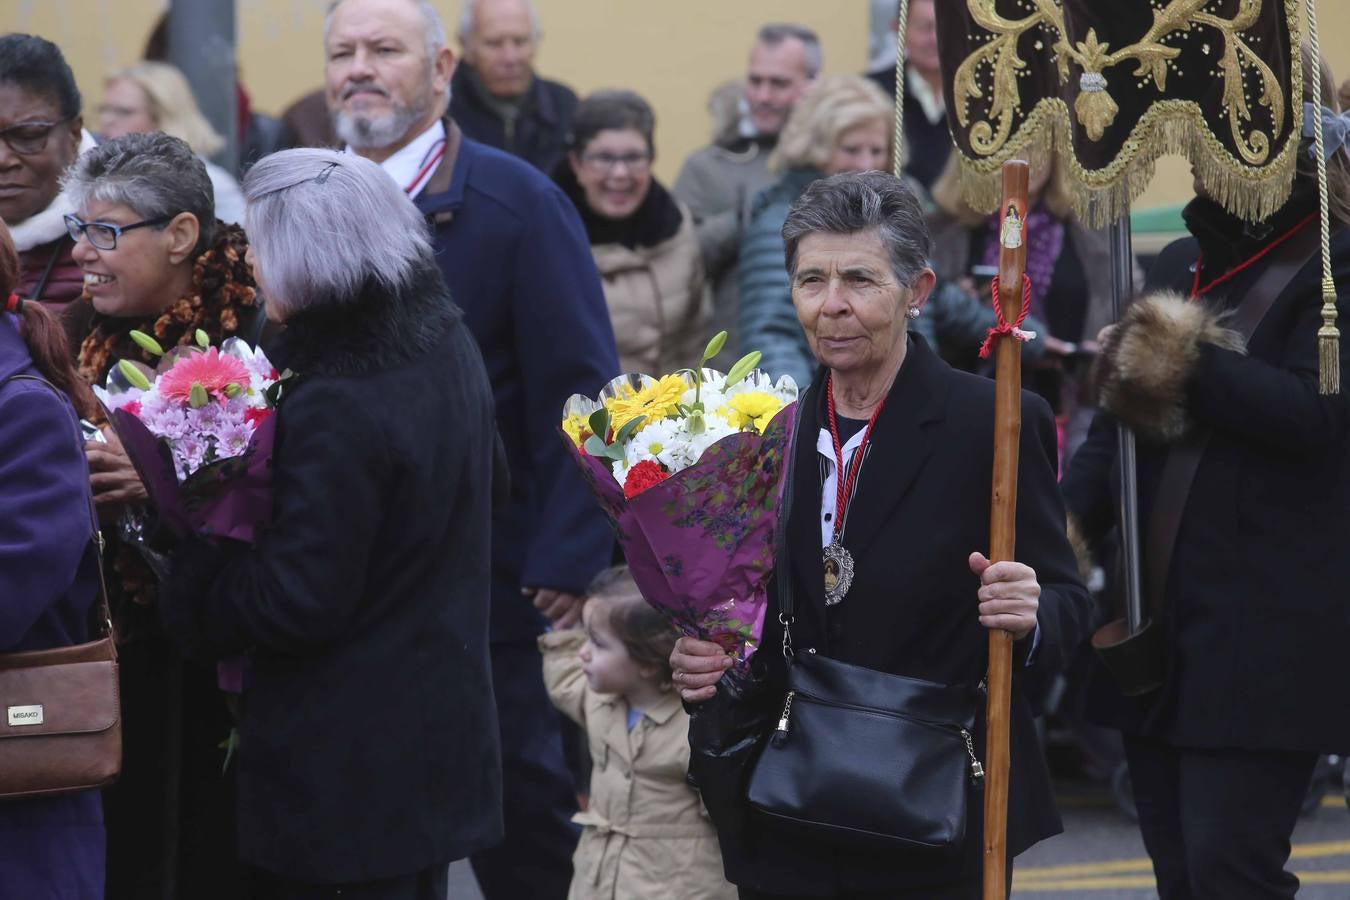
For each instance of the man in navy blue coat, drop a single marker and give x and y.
(516, 259)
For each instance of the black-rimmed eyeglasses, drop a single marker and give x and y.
(104, 235)
(30, 138)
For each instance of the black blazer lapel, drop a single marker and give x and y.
(804, 521)
(901, 442)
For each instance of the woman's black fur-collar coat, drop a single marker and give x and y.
(369, 741)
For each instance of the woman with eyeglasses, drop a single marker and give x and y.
(41, 134)
(643, 240)
(156, 260)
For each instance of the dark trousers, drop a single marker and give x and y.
(1217, 823)
(429, 884)
(534, 862)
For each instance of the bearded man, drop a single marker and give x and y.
(515, 256)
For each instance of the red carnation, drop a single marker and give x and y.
(255, 416)
(642, 476)
(133, 407)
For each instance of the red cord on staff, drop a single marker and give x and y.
(1004, 326)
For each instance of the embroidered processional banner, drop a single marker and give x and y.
(1111, 85)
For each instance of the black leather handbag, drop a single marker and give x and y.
(861, 756)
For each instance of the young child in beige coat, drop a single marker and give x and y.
(645, 833)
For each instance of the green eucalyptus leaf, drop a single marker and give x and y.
(147, 343)
(198, 397)
(744, 366)
(133, 375)
(715, 346)
(615, 451)
(596, 446)
(203, 339)
(599, 424)
(630, 429)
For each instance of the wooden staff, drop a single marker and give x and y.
(1003, 517)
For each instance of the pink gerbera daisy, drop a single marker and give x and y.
(212, 370)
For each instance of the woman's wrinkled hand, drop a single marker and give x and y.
(698, 666)
(1009, 595)
(112, 477)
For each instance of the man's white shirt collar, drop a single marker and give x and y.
(405, 165)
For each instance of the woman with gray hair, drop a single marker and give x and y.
(879, 569)
(368, 754)
(155, 259)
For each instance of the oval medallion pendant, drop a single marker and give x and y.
(838, 572)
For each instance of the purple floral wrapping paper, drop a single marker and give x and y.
(229, 498)
(700, 544)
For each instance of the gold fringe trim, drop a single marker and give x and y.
(1100, 196)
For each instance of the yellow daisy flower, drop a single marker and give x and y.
(752, 409)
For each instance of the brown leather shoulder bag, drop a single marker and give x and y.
(60, 713)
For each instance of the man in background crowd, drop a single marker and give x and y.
(496, 97)
(720, 181)
(517, 261)
(927, 140)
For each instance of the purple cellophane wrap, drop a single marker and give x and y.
(700, 543)
(228, 498)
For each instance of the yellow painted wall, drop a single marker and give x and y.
(674, 54)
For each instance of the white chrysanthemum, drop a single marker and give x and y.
(657, 441)
(620, 471)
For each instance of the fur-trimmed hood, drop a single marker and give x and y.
(380, 329)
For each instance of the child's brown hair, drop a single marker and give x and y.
(647, 636)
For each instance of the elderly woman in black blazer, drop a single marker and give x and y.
(368, 756)
(923, 595)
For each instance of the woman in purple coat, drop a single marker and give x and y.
(50, 848)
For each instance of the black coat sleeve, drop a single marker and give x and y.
(1088, 487)
(1043, 544)
(300, 586)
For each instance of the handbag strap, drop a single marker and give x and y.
(783, 574)
(1183, 460)
(96, 534)
(51, 264)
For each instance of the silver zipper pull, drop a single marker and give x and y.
(976, 770)
(780, 733)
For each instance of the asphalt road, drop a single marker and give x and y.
(1100, 856)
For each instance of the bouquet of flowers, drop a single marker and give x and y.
(199, 431)
(689, 468)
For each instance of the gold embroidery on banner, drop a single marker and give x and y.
(1252, 186)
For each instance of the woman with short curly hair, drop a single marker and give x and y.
(155, 259)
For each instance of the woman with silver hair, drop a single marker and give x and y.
(155, 259)
(368, 756)
(879, 575)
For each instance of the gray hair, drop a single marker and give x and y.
(433, 30)
(153, 174)
(863, 201)
(469, 9)
(777, 33)
(323, 223)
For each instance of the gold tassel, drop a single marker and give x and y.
(1329, 343)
